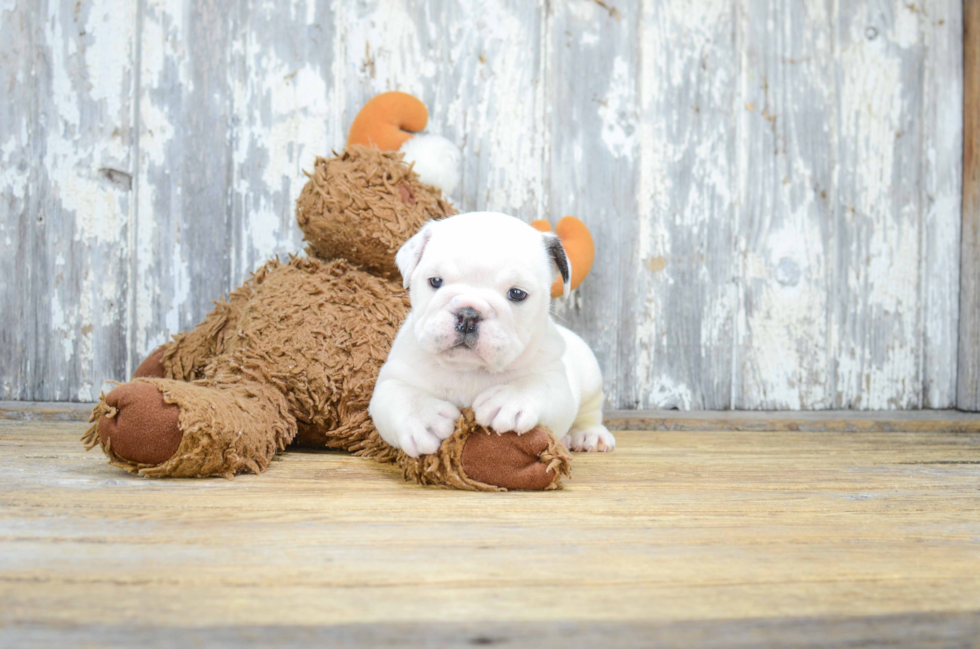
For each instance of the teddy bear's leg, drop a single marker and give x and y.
(477, 459)
(167, 428)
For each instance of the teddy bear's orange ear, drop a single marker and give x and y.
(577, 242)
(393, 121)
(388, 120)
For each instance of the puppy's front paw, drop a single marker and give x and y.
(596, 438)
(424, 430)
(505, 409)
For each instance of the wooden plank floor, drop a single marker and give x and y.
(678, 538)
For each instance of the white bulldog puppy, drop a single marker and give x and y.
(480, 335)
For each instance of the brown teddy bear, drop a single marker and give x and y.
(291, 357)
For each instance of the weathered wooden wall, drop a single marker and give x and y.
(774, 186)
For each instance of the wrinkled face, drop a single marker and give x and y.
(480, 287)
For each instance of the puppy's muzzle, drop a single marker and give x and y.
(467, 326)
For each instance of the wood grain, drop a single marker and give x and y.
(877, 254)
(855, 534)
(941, 29)
(968, 378)
(786, 141)
(66, 140)
(591, 67)
(686, 269)
(775, 188)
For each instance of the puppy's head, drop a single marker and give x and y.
(480, 287)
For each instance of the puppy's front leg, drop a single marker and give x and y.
(409, 419)
(522, 404)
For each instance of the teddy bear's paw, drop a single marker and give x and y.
(514, 461)
(506, 409)
(140, 426)
(594, 438)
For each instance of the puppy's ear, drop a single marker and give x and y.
(410, 254)
(556, 252)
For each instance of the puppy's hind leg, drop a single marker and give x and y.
(587, 433)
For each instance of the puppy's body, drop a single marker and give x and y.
(480, 335)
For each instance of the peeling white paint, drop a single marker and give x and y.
(499, 120)
(686, 207)
(783, 334)
(878, 359)
(13, 174)
(181, 287)
(74, 166)
(739, 298)
(786, 146)
(384, 48)
(287, 141)
(942, 200)
(617, 111)
(98, 213)
(107, 55)
(584, 11)
(163, 53)
(905, 31)
(72, 128)
(63, 325)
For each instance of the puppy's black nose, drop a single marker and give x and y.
(467, 320)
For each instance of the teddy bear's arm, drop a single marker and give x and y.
(186, 356)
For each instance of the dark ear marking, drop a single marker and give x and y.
(557, 254)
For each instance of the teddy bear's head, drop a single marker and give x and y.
(363, 205)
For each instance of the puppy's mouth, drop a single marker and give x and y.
(465, 341)
(464, 351)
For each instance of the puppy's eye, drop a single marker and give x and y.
(516, 294)
(435, 282)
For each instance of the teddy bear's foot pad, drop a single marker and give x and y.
(138, 425)
(509, 460)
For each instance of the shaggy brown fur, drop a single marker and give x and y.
(293, 354)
